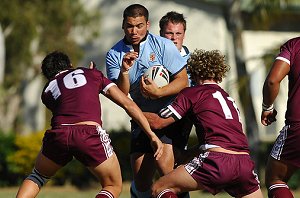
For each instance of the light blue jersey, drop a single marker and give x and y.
(154, 50)
(185, 53)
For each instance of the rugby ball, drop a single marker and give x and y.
(159, 74)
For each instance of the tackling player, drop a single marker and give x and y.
(72, 95)
(224, 163)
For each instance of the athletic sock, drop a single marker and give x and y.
(104, 194)
(138, 194)
(183, 195)
(167, 193)
(279, 191)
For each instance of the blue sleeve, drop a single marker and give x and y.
(113, 65)
(172, 60)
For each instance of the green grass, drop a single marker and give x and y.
(72, 192)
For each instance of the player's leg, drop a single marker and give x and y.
(277, 175)
(177, 181)
(109, 175)
(44, 169)
(165, 163)
(143, 169)
(255, 194)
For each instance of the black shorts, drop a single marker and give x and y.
(176, 134)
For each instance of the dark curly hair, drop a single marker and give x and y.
(206, 65)
(54, 63)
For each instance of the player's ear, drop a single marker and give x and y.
(123, 24)
(148, 25)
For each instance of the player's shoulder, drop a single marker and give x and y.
(202, 89)
(292, 43)
(294, 40)
(91, 72)
(190, 91)
(158, 39)
(117, 47)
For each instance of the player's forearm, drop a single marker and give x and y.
(174, 87)
(270, 91)
(123, 82)
(137, 115)
(153, 120)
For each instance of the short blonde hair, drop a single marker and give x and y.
(207, 65)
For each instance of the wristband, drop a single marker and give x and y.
(267, 107)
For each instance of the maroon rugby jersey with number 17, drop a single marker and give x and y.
(73, 96)
(215, 115)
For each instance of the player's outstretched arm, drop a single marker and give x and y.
(117, 96)
(157, 122)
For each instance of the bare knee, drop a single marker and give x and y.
(158, 187)
(155, 189)
(277, 172)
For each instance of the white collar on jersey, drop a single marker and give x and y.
(61, 72)
(183, 52)
(209, 83)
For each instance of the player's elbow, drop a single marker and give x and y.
(272, 82)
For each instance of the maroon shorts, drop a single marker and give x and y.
(217, 171)
(286, 146)
(88, 144)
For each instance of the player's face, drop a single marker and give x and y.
(174, 32)
(135, 29)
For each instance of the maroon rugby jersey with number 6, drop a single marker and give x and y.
(60, 95)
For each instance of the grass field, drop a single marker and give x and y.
(71, 192)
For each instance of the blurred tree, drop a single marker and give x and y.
(31, 29)
(275, 15)
(254, 15)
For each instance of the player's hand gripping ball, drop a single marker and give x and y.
(159, 74)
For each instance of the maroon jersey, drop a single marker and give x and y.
(73, 96)
(214, 114)
(290, 53)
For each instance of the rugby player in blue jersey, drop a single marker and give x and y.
(126, 63)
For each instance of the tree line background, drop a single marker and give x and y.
(32, 28)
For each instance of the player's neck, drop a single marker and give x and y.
(208, 81)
